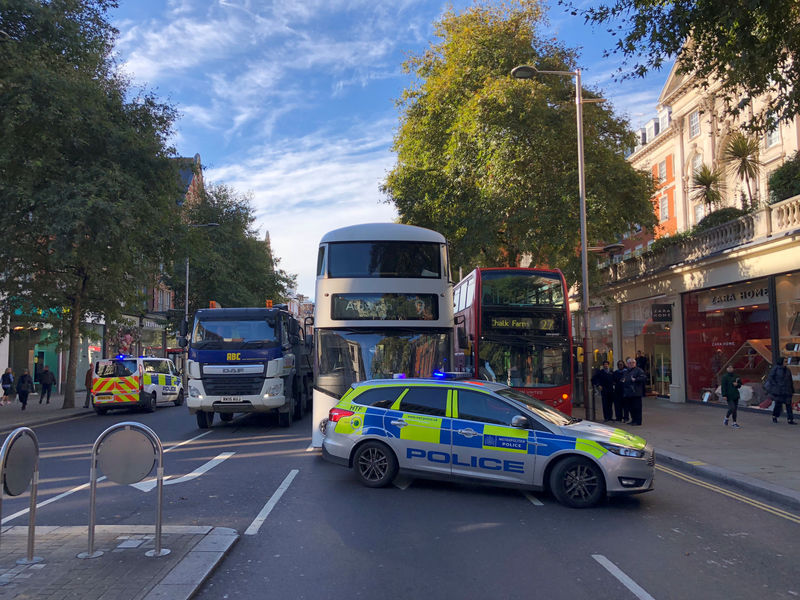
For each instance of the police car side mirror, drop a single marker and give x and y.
(520, 422)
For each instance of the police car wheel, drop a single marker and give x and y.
(151, 402)
(577, 482)
(375, 464)
(179, 399)
(100, 411)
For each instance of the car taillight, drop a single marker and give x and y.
(337, 413)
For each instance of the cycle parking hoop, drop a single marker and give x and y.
(126, 453)
(19, 468)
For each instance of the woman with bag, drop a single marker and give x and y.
(8, 386)
(24, 387)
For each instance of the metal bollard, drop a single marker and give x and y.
(127, 457)
(19, 467)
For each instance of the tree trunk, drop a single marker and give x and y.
(74, 345)
(749, 193)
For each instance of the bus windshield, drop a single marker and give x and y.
(411, 260)
(346, 356)
(520, 288)
(229, 333)
(524, 364)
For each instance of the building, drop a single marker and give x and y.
(728, 295)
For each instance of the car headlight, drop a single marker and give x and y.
(623, 450)
(194, 392)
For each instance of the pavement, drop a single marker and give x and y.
(756, 459)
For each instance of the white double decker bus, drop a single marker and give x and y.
(383, 309)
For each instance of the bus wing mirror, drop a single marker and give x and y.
(459, 319)
(462, 337)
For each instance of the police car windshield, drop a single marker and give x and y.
(230, 333)
(116, 368)
(539, 408)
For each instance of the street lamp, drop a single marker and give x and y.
(529, 72)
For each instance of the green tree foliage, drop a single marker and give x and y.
(491, 162)
(751, 48)
(784, 182)
(228, 263)
(741, 155)
(708, 186)
(86, 183)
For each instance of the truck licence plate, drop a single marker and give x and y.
(231, 398)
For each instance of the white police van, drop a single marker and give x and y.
(135, 382)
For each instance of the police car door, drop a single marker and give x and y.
(422, 431)
(485, 445)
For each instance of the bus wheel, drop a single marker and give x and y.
(375, 464)
(577, 482)
(204, 419)
(226, 417)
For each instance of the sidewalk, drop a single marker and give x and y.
(757, 458)
(123, 572)
(12, 415)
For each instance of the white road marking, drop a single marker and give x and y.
(311, 448)
(262, 516)
(629, 583)
(83, 486)
(534, 500)
(150, 484)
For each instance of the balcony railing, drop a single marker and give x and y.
(767, 222)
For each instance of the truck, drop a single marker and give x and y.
(247, 360)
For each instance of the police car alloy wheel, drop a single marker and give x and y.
(375, 464)
(577, 482)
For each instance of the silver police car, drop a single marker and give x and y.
(481, 431)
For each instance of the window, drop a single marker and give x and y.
(638, 250)
(380, 397)
(697, 163)
(474, 406)
(772, 138)
(662, 171)
(425, 400)
(664, 208)
(694, 124)
(321, 261)
(650, 244)
(456, 294)
(699, 213)
(418, 260)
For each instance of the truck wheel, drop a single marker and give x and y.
(285, 418)
(577, 482)
(179, 399)
(151, 402)
(204, 419)
(375, 464)
(226, 417)
(299, 402)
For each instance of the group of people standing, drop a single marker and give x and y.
(621, 391)
(23, 386)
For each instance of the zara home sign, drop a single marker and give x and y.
(734, 296)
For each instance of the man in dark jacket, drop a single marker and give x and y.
(633, 390)
(780, 387)
(47, 379)
(604, 379)
(730, 385)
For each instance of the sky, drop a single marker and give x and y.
(294, 101)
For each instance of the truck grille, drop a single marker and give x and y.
(232, 385)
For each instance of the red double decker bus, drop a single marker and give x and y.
(513, 326)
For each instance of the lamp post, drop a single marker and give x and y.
(529, 72)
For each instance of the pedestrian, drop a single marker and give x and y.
(779, 385)
(24, 387)
(8, 386)
(88, 381)
(621, 407)
(604, 379)
(633, 389)
(730, 385)
(47, 379)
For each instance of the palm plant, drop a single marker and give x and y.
(708, 185)
(741, 156)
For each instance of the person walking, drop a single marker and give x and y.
(779, 385)
(621, 407)
(730, 385)
(24, 387)
(88, 381)
(7, 381)
(47, 379)
(633, 384)
(604, 379)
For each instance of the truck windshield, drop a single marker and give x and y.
(233, 334)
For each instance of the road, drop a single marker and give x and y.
(314, 532)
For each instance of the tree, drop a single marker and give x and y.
(784, 182)
(752, 49)
(228, 263)
(87, 185)
(708, 186)
(741, 155)
(491, 162)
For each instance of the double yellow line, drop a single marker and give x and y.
(714, 488)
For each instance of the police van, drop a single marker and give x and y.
(135, 382)
(485, 432)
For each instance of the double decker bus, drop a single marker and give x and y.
(513, 327)
(383, 309)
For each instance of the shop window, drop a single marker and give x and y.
(787, 289)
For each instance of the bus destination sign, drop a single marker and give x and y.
(384, 307)
(527, 323)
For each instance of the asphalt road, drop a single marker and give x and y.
(313, 532)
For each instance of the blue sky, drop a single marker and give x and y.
(293, 101)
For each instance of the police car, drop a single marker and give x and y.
(481, 431)
(135, 382)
